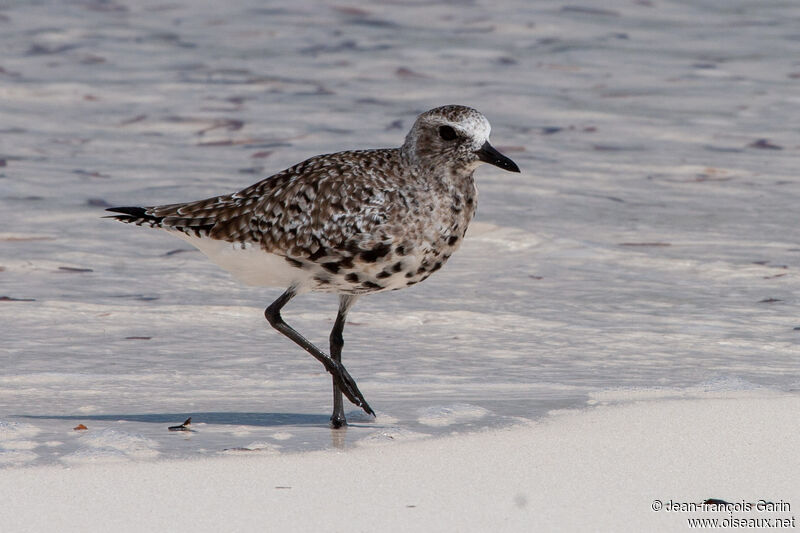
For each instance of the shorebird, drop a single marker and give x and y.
(348, 223)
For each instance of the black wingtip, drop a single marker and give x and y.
(133, 215)
(139, 212)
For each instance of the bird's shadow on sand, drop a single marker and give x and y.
(232, 418)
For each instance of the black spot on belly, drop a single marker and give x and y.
(409, 275)
(319, 253)
(384, 275)
(352, 277)
(332, 267)
(294, 262)
(347, 262)
(321, 280)
(452, 240)
(410, 283)
(400, 250)
(436, 267)
(351, 247)
(370, 256)
(371, 285)
(398, 267)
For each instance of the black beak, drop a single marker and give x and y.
(489, 154)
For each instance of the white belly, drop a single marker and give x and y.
(249, 263)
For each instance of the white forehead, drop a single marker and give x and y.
(476, 127)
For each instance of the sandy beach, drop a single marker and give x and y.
(606, 469)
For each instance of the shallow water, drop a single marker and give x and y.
(651, 240)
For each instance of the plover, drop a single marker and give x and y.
(349, 223)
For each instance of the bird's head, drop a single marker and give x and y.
(454, 137)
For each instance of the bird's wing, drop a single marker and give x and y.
(327, 205)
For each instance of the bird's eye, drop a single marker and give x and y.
(447, 133)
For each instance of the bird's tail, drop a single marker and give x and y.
(185, 218)
(136, 215)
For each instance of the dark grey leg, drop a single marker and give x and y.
(337, 342)
(341, 378)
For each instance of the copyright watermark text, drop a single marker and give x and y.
(762, 514)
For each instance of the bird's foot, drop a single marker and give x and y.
(348, 386)
(338, 421)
